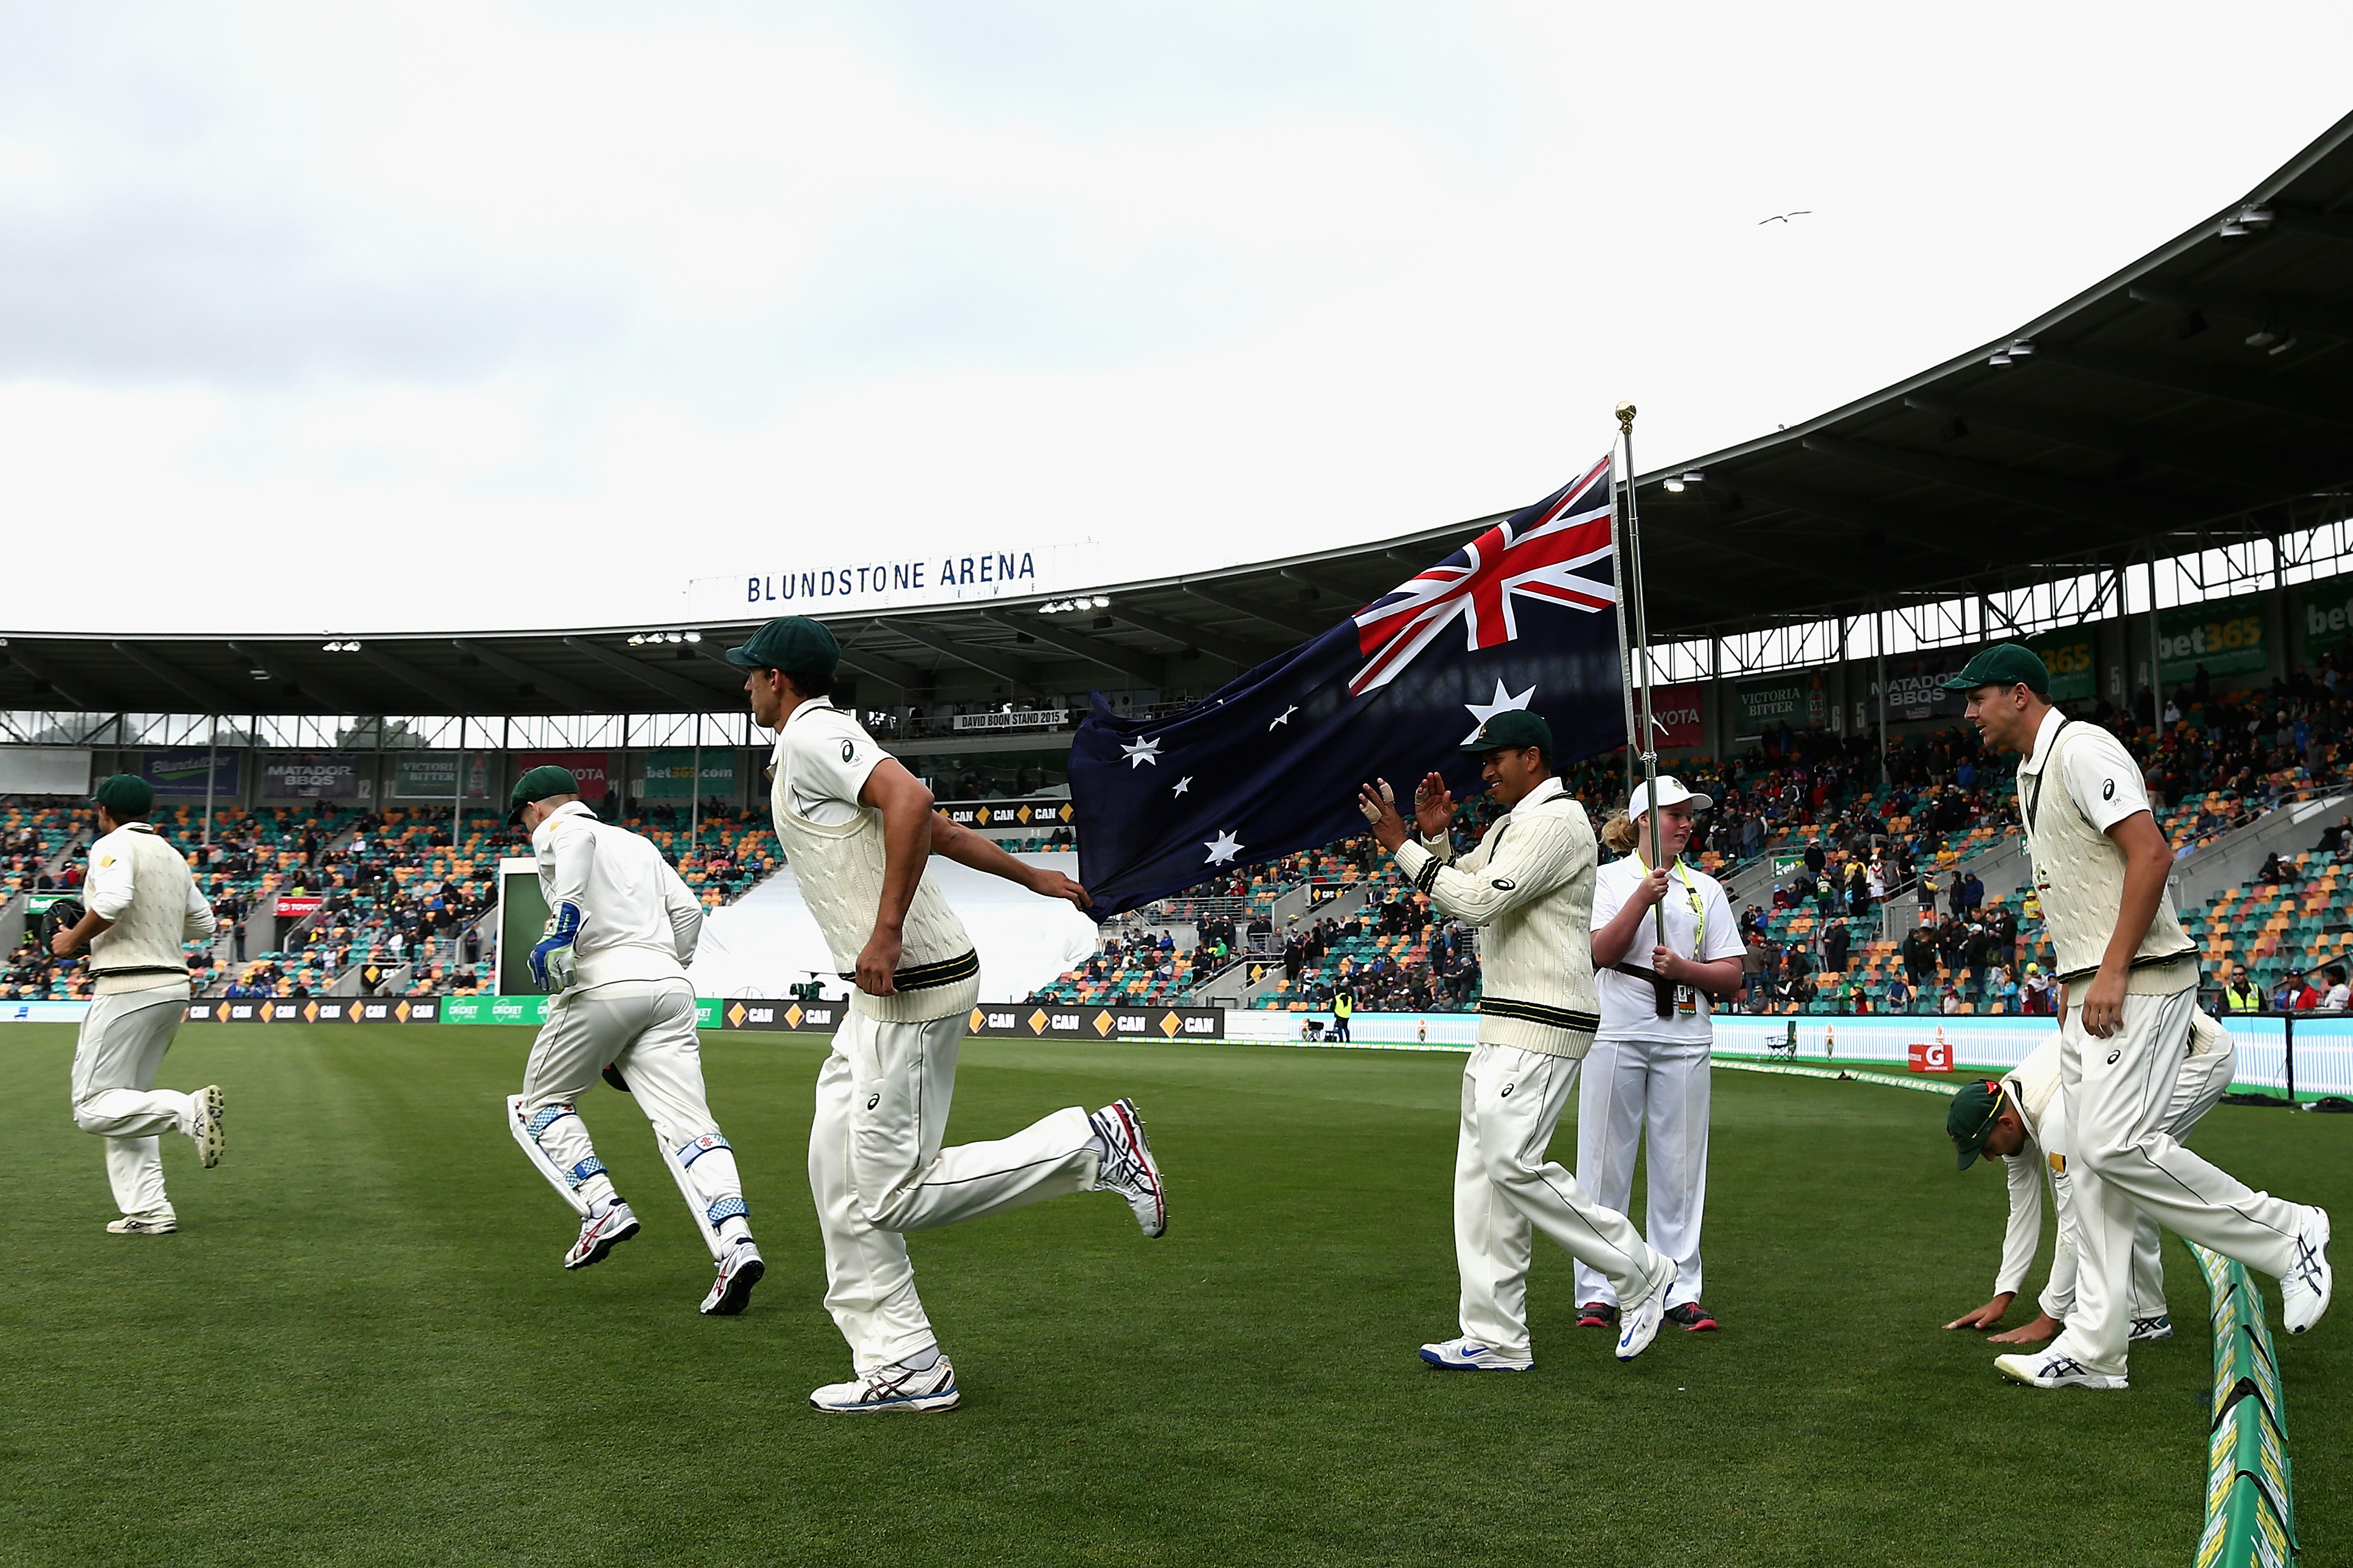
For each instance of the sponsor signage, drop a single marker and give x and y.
(998, 1020)
(531, 1011)
(2075, 672)
(1916, 688)
(1023, 719)
(2223, 637)
(671, 774)
(1796, 700)
(854, 581)
(1675, 716)
(295, 906)
(1049, 1020)
(2324, 612)
(1936, 1056)
(289, 777)
(318, 1009)
(1000, 814)
(588, 767)
(181, 774)
(433, 775)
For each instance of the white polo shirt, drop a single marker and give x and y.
(1699, 926)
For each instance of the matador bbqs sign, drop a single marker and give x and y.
(1000, 1020)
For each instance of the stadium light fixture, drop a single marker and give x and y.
(637, 639)
(694, 637)
(1102, 602)
(1676, 486)
(2247, 220)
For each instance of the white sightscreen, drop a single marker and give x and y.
(44, 770)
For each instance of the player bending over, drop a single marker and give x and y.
(1530, 884)
(2022, 1118)
(2130, 974)
(140, 904)
(621, 931)
(858, 831)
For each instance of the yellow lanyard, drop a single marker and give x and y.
(1699, 910)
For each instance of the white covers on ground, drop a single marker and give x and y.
(768, 940)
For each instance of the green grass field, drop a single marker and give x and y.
(361, 1349)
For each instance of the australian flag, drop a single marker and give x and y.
(1523, 616)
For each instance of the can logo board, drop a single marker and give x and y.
(1929, 1058)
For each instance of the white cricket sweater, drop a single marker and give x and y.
(839, 869)
(145, 887)
(637, 919)
(1530, 884)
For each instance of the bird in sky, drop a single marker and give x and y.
(1784, 217)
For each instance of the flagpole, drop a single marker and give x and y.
(1624, 495)
(1632, 589)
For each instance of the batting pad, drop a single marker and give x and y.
(556, 1177)
(695, 1200)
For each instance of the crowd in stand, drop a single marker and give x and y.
(402, 901)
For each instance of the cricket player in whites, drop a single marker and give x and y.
(1530, 885)
(622, 929)
(2130, 979)
(139, 905)
(2021, 1119)
(1664, 946)
(858, 831)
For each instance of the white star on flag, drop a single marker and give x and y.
(1141, 753)
(1504, 703)
(1184, 784)
(1286, 715)
(1223, 849)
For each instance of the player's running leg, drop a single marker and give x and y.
(905, 1083)
(578, 1039)
(117, 1054)
(664, 1068)
(869, 1286)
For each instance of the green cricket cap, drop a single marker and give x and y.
(2004, 664)
(1970, 1121)
(541, 783)
(1510, 730)
(125, 794)
(788, 642)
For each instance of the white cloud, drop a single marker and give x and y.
(328, 307)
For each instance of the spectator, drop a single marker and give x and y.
(2035, 994)
(2338, 993)
(2241, 994)
(1834, 949)
(1899, 996)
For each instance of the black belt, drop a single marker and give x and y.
(2147, 960)
(1541, 1013)
(180, 970)
(925, 976)
(1663, 990)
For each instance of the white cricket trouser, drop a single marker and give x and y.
(2203, 1080)
(646, 1028)
(2124, 1164)
(116, 1057)
(877, 1170)
(1629, 1086)
(1504, 1190)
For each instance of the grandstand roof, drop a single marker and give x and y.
(2201, 395)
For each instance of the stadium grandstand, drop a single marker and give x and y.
(2149, 482)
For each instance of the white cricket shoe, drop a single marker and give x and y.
(2054, 1369)
(1639, 1319)
(204, 1126)
(2305, 1287)
(160, 1221)
(1469, 1355)
(2145, 1329)
(740, 1268)
(891, 1388)
(600, 1233)
(1129, 1168)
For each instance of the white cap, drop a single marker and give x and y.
(1670, 792)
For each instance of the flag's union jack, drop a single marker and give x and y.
(1478, 583)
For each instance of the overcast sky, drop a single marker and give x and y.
(341, 319)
